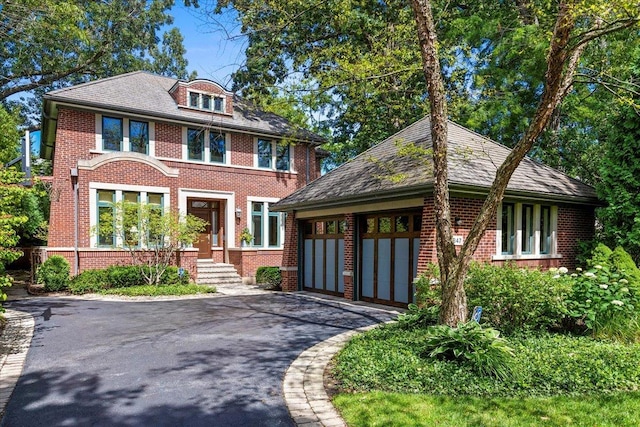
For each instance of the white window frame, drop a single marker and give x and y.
(553, 252)
(184, 194)
(274, 155)
(266, 201)
(119, 190)
(207, 152)
(213, 102)
(126, 145)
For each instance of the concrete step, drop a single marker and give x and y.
(211, 273)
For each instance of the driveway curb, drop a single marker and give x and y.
(14, 342)
(304, 392)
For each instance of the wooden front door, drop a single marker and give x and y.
(213, 235)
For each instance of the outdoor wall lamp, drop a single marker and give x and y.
(238, 213)
(457, 221)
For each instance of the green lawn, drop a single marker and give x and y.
(398, 410)
(556, 380)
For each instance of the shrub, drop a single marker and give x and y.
(418, 317)
(515, 299)
(428, 290)
(119, 276)
(600, 255)
(602, 299)
(469, 343)
(89, 281)
(270, 276)
(173, 276)
(54, 273)
(622, 262)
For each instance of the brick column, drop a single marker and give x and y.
(349, 262)
(289, 268)
(428, 252)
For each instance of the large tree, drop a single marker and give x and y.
(47, 44)
(346, 61)
(574, 25)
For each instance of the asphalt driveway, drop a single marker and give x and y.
(192, 362)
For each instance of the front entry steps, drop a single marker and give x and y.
(211, 273)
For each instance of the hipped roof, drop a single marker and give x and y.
(385, 173)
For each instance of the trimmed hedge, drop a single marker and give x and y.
(54, 273)
(118, 276)
(270, 276)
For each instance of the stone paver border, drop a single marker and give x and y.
(304, 391)
(16, 339)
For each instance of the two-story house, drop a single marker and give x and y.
(192, 145)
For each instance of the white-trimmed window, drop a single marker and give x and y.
(526, 230)
(205, 145)
(124, 134)
(266, 227)
(104, 196)
(273, 155)
(205, 101)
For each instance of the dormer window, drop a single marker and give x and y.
(207, 102)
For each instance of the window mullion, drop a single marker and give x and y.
(518, 228)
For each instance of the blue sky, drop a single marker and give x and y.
(214, 46)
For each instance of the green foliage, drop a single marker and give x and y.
(620, 180)
(428, 290)
(118, 277)
(623, 263)
(601, 299)
(482, 348)
(162, 290)
(54, 273)
(9, 135)
(153, 237)
(89, 281)
(419, 317)
(601, 255)
(390, 359)
(52, 43)
(270, 276)
(515, 299)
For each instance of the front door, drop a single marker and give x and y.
(212, 236)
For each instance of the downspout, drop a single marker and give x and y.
(74, 180)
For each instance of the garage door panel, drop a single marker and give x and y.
(401, 271)
(308, 263)
(384, 269)
(330, 268)
(340, 265)
(367, 267)
(318, 258)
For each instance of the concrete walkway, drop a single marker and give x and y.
(303, 385)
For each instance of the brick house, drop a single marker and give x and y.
(366, 229)
(192, 145)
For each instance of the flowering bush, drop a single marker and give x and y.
(601, 298)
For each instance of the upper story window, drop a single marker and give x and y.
(195, 148)
(526, 230)
(112, 134)
(195, 144)
(270, 153)
(124, 134)
(267, 227)
(139, 136)
(205, 101)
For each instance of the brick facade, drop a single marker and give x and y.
(575, 223)
(239, 179)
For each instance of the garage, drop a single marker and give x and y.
(323, 247)
(388, 261)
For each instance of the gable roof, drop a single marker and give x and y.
(148, 94)
(386, 172)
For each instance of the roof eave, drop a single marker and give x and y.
(98, 105)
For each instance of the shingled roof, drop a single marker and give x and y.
(387, 172)
(148, 94)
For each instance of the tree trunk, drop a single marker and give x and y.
(561, 65)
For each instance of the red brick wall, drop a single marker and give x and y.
(349, 261)
(575, 224)
(76, 140)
